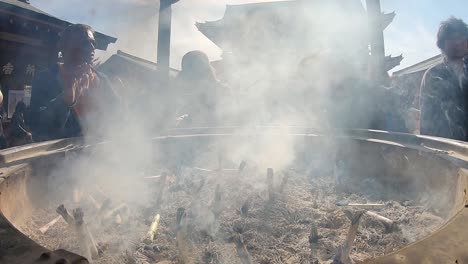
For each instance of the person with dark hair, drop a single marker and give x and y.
(20, 133)
(197, 89)
(444, 89)
(71, 96)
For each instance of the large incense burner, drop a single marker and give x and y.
(360, 196)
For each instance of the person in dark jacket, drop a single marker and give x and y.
(444, 89)
(20, 133)
(197, 89)
(71, 97)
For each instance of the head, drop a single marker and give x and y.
(20, 107)
(452, 38)
(77, 44)
(320, 71)
(196, 66)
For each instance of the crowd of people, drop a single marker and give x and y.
(71, 98)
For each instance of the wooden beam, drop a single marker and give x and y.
(102, 40)
(20, 39)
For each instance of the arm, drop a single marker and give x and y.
(22, 127)
(69, 87)
(38, 100)
(433, 118)
(465, 79)
(23, 132)
(18, 126)
(48, 110)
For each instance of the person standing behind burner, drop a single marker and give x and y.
(444, 89)
(196, 91)
(71, 98)
(20, 133)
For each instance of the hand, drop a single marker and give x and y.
(83, 77)
(81, 84)
(79, 81)
(180, 119)
(96, 62)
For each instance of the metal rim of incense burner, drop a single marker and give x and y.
(446, 245)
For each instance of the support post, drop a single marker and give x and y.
(377, 44)
(164, 37)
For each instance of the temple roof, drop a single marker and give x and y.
(391, 62)
(35, 15)
(226, 31)
(23, 8)
(122, 61)
(218, 31)
(387, 19)
(420, 66)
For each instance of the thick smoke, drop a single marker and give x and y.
(281, 73)
(295, 64)
(288, 69)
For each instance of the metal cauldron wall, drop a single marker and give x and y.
(436, 165)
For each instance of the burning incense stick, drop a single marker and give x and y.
(50, 224)
(343, 255)
(154, 227)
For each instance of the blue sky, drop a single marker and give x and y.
(134, 22)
